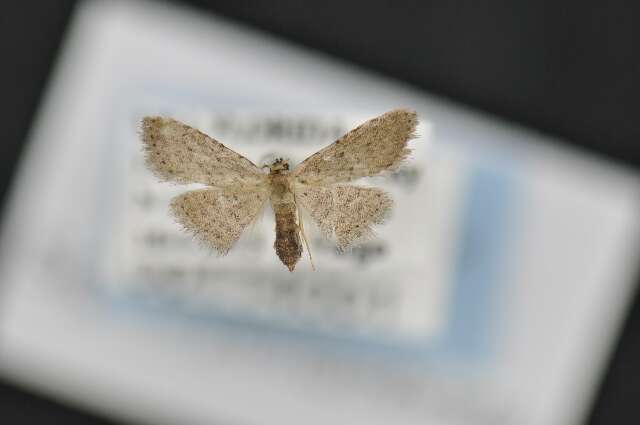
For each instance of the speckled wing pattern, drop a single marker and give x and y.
(178, 153)
(218, 217)
(346, 212)
(349, 212)
(378, 145)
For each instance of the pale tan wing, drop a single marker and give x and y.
(217, 217)
(179, 153)
(348, 212)
(318, 202)
(377, 145)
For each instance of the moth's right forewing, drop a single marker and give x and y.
(179, 153)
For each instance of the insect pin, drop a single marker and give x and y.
(238, 190)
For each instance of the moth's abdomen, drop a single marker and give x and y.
(288, 245)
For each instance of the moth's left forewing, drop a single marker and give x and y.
(377, 145)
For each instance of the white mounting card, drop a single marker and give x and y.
(493, 294)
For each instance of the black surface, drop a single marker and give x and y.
(568, 69)
(30, 33)
(19, 407)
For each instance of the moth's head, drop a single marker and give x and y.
(279, 165)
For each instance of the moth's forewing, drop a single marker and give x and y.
(378, 145)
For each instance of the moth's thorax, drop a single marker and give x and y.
(280, 182)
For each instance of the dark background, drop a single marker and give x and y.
(568, 69)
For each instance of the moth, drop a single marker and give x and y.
(238, 189)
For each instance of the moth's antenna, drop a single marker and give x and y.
(304, 237)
